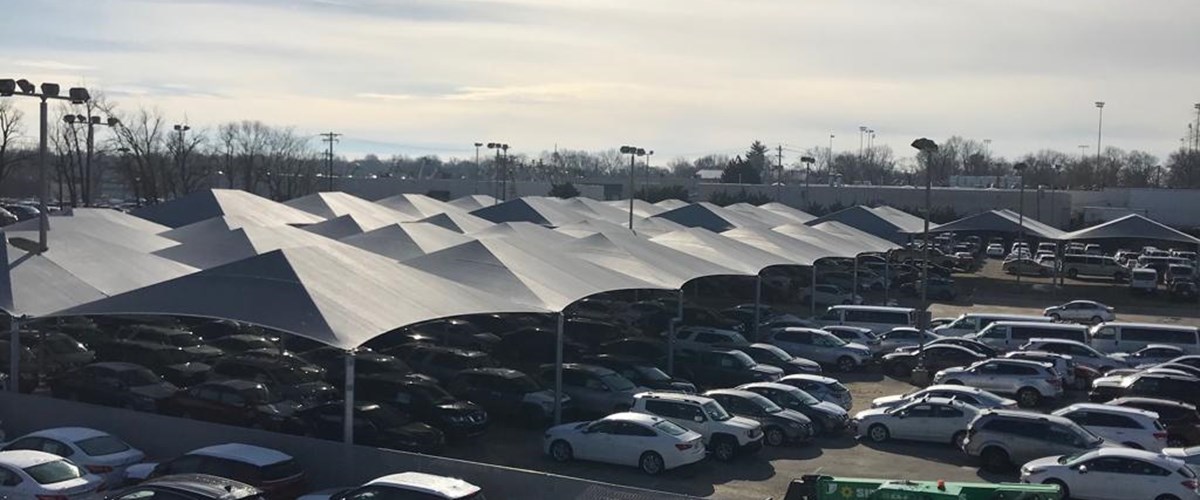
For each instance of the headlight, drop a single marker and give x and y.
(457, 419)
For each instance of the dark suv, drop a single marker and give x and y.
(426, 401)
(374, 425)
(286, 379)
(243, 342)
(508, 393)
(456, 333)
(642, 373)
(191, 344)
(1004, 438)
(935, 358)
(235, 402)
(114, 384)
(172, 363)
(1182, 388)
(442, 363)
(366, 363)
(722, 368)
(779, 425)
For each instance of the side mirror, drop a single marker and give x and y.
(1082, 469)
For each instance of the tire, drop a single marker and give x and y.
(774, 436)
(957, 439)
(878, 433)
(846, 364)
(1163, 497)
(1072, 273)
(651, 463)
(995, 459)
(1096, 320)
(561, 451)
(1062, 487)
(1028, 398)
(724, 448)
(1055, 317)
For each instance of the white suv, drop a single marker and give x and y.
(1131, 427)
(725, 435)
(1031, 381)
(703, 337)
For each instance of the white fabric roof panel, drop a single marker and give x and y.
(635, 256)
(101, 228)
(337, 297)
(641, 208)
(1132, 226)
(240, 244)
(459, 222)
(537, 210)
(841, 245)
(869, 221)
(209, 228)
(118, 217)
(211, 203)
(709, 216)
(765, 217)
(473, 202)
(524, 231)
(901, 219)
(671, 204)
(868, 241)
(407, 240)
(329, 205)
(998, 221)
(595, 210)
(720, 250)
(417, 206)
(338, 227)
(764, 239)
(796, 214)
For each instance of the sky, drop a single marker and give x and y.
(681, 77)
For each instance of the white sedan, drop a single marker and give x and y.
(995, 250)
(643, 441)
(973, 396)
(37, 475)
(98, 452)
(1114, 474)
(1088, 311)
(937, 420)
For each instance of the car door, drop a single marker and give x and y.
(995, 336)
(985, 376)
(596, 441)
(1103, 480)
(10, 482)
(629, 442)
(730, 371)
(914, 421)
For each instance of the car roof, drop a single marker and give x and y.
(1027, 415)
(731, 392)
(673, 396)
(246, 453)
(583, 367)
(445, 487)
(768, 385)
(875, 308)
(1044, 340)
(1148, 456)
(72, 434)
(814, 378)
(27, 458)
(495, 372)
(1023, 362)
(847, 328)
(1154, 401)
(118, 366)
(938, 400)
(1055, 326)
(640, 418)
(233, 383)
(1149, 325)
(1174, 376)
(1035, 354)
(204, 485)
(1096, 407)
(953, 388)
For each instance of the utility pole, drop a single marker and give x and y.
(779, 171)
(329, 137)
(183, 177)
(829, 159)
(1196, 130)
(1099, 131)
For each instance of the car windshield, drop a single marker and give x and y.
(53, 472)
(766, 404)
(184, 341)
(743, 358)
(770, 351)
(716, 412)
(827, 340)
(102, 445)
(616, 382)
(436, 394)
(653, 374)
(523, 384)
(1066, 459)
(804, 397)
(140, 377)
(669, 428)
(1090, 439)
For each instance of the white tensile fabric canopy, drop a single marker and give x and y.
(888, 224)
(111, 229)
(404, 241)
(798, 216)
(211, 203)
(541, 211)
(836, 243)
(765, 217)
(722, 251)
(417, 206)
(870, 242)
(641, 208)
(210, 227)
(998, 221)
(635, 256)
(459, 222)
(799, 251)
(709, 216)
(343, 226)
(527, 231)
(330, 205)
(239, 244)
(473, 202)
(1133, 227)
(671, 204)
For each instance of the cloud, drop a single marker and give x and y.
(385, 97)
(52, 65)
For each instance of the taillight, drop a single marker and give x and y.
(1160, 435)
(99, 469)
(683, 446)
(1055, 381)
(1189, 484)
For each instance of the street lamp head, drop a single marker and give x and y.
(807, 159)
(478, 144)
(70, 119)
(1099, 104)
(50, 89)
(925, 145)
(1020, 167)
(7, 86)
(27, 87)
(95, 120)
(112, 121)
(492, 145)
(628, 150)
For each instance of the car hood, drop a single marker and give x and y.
(768, 369)
(156, 391)
(203, 351)
(830, 408)
(279, 409)
(543, 397)
(189, 369)
(794, 416)
(805, 364)
(1042, 463)
(887, 401)
(893, 356)
(951, 371)
(1112, 381)
(858, 347)
(569, 428)
(742, 423)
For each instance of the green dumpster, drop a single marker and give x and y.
(816, 487)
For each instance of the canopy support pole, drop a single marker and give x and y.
(757, 304)
(812, 294)
(854, 288)
(348, 403)
(558, 367)
(887, 277)
(14, 355)
(674, 323)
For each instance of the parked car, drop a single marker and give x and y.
(905, 337)
(95, 451)
(1131, 427)
(191, 343)
(934, 358)
(1088, 311)
(594, 389)
(820, 346)
(366, 363)
(642, 373)
(427, 402)
(415, 485)
(995, 250)
(529, 348)
(276, 473)
(52, 353)
(822, 388)
(1181, 419)
(1113, 473)
(507, 393)
(1183, 291)
(978, 398)
(244, 403)
(725, 435)
(1182, 388)
(299, 383)
(242, 342)
(937, 420)
(972, 345)
(857, 335)
(188, 487)
(974, 322)
(375, 425)
(37, 475)
(124, 385)
(939, 288)
(721, 368)
(443, 363)
(1189, 455)
(829, 294)
(878, 319)
(1063, 365)
(1030, 381)
(703, 337)
(645, 349)
(767, 354)
(1027, 267)
(1003, 438)
(650, 443)
(1152, 354)
(780, 426)
(827, 418)
(1080, 352)
(456, 332)
(172, 363)
(1143, 280)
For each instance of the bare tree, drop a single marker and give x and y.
(189, 174)
(141, 134)
(11, 131)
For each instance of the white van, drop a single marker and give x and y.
(973, 322)
(878, 319)
(1075, 265)
(1129, 337)
(1010, 335)
(1143, 280)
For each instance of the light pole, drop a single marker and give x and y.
(497, 175)
(478, 171)
(330, 137)
(91, 122)
(928, 147)
(861, 131)
(829, 158)
(1099, 130)
(1196, 131)
(633, 152)
(807, 161)
(181, 129)
(1019, 168)
(649, 153)
(23, 87)
(1083, 152)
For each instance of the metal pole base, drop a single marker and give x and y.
(920, 376)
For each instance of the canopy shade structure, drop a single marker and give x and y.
(641, 208)
(341, 227)
(459, 222)
(330, 205)
(638, 257)
(473, 202)
(525, 272)
(525, 231)
(868, 241)
(998, 221)
(211, 203)
(595, 210)
(77, 268)
(1132, 227)
(539, 211)
(765, 217)
(647, 227)
(671, 204)
(240, 244)
(799, 251)
(722, 251)
(341, 298)
(407, 240)
(838, 244)
(102, 228)
(416, 206)
(209, 228)
(886, 224)
(117, 217)
(709, 216)
(797, 215)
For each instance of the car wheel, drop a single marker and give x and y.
(651, 463)
(1062, 487)
(1072, 273)
(958, 438)
(995, 460)
(561, 451)
(1096, 320)
(774, 436)
(1055, 317)
(724, 449)
(878, 433)
(1163, 497)
(846, 363)
(1028, 397)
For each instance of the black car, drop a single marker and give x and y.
(426, 401)
(456, 333)
(827, 418)
(770, 355)
(641, 348)
(1148, 384)
(243, 403)
(779, 426)
(506, 393)
(188, 487)
(935, 358)
(642, 373)
(374, 425)
(1183, 290)
(292, 382)
(333, 361)
(721, 368)
(242, 342)
(700, 316)
(124, 385)
(172, 363)
(532, 347)
(500, 324)
(56, 352)
(191, 343)
(939, 288)
(215, 329)
(974, 345)
(591, 332)
(30, 378)
(23, 212)
(442, 363)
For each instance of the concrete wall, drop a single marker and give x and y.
(374, 189)
(328, 464)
